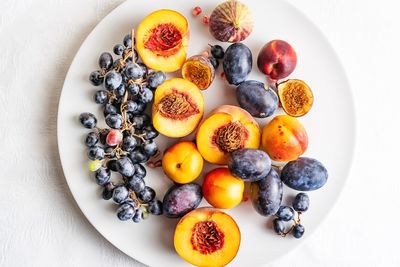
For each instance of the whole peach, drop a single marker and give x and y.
(277, 59)
(182, 162)
(284, 138)
(223, 190)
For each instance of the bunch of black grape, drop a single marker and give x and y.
(128, 143)
(285, 214)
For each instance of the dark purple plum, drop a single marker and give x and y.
(249, 164)
(237, 63)
(181, 199)
(259, 101)
(304, 174)
(266, 194)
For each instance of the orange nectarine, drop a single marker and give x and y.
(284, 138)
(182, 162)
(223, 190)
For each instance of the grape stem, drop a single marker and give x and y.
(133, 196)
(155, 161)
(296, 222)
(126, 124)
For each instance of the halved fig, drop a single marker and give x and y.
(227, 129)
(199, 70)
(162, 40)
(178, 107)
(296, 97)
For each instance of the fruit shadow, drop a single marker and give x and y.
(269, 222)
(166, 232)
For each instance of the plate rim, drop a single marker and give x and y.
(138, 257)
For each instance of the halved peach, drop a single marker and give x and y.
(284, 138)
(178, 107)
(207, 237)
(162, 40)
(228, 128)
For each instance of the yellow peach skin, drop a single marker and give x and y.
(182, 163)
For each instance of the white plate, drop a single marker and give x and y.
(330, 125)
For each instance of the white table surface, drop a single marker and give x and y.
(41, 225)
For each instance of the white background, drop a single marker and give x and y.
(40, 224)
